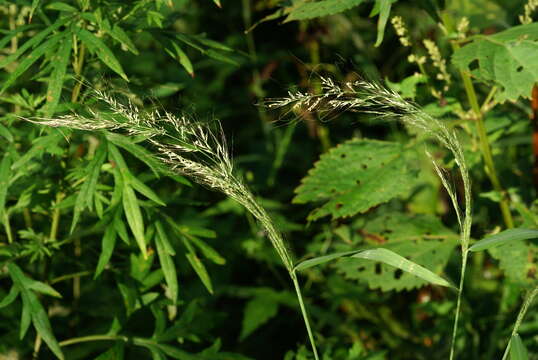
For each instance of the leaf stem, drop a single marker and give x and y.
(458, 303)
(528, 301)
(304, 313)
(78, 65)
(55, 218)
(7, 228)
(93, 338)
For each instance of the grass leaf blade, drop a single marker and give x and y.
(391, 258)
(517, 349)
(504, 237)
(322, 260)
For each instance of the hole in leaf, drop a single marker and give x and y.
(361, 269)
(473, 65)
(333, 190)
(519, 69)
(358, 182)
(398, 274)
(434, 252)
(339, 205)
(378, 269)
(364, 166)
(343, 156)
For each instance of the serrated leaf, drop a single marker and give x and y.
(56, 80)
(503, 238)
(5, 175)
(10, 297)
(31, 58)
(258, 311)
(167, 263)
(517, 349)
(391, 258)
(103, 52)
(107, 248)
(200, 270)
(134, 217)
(508, 58)
(356, 176)
(517, 259)
(421, 239)
(87, 191)
(314, 9)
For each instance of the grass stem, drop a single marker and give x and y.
(305, 314)
(528, 301)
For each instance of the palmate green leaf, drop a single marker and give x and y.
(48, 45)
(33, 310)
(504, 237)
(107, 248)
(421, 239)
(87, 191)
(167, 263)
(97, 46)
(200, 270)
(509, 59)
(134, 217)
(313, 9)
(356, 176)
(5, 175)
(56, 81)
(517, 349)
(35, 40)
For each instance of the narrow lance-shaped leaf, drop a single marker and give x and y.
(88, 188)
(167, 263)
(134, 217)
(322, 260)
(517, 349)
(30, 59)
(200, 270)
(143, 189)
(33, 310)
(35, 4)
(103, 52)
(314, 9)
(107, 248)
(503, 238)
(10, 297)
(391, 258)
(5, 174)
(60, 61)
(384, 12)
(33, 41)
(137, 151)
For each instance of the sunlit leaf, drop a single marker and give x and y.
(60, 61)
(503, 238)
(134, 217)
(200, 270)
(167, 263)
